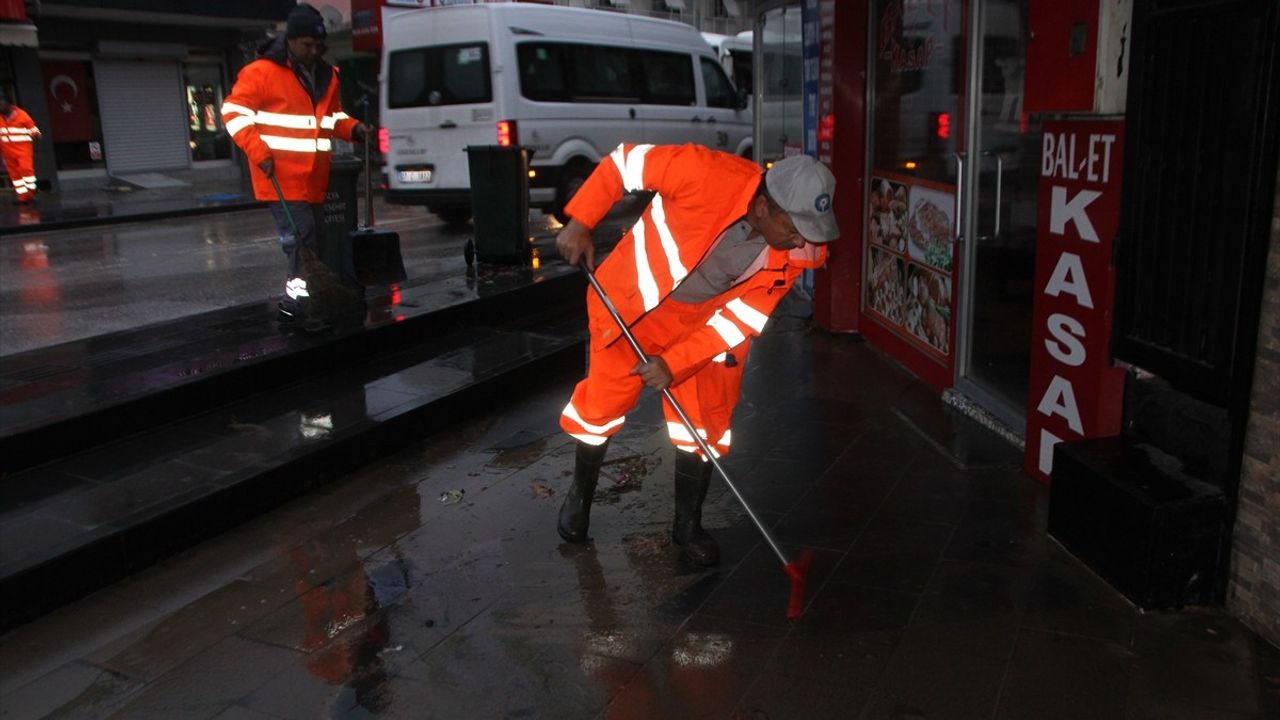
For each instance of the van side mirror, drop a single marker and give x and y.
(744, 98)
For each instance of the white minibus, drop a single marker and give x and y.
(567, 83)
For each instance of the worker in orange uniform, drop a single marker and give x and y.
(18, 133)
(695, 279)
(284, 112)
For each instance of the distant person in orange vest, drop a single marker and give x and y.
(18, 133)
(284, 112)
(695, 279)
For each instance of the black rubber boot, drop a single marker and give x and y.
(693, 477)
(575, 513)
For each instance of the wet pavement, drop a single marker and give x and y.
(416, 571)
(103, 201)
(430, 583)
(62, 285)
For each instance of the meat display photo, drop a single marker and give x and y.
(929, 227)
(928, 307)
(887, 289)
(909, 259)
(887, 213)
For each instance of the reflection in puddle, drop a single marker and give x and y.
(702, 650)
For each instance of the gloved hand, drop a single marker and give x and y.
(574, 244)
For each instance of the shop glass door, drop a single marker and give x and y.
(999, 260)
(917, 160)
(950, 250)
(779, 93)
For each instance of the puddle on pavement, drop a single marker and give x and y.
(520, 455)
(648, 544)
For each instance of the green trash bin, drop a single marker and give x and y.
(341, 206)
(500, 203)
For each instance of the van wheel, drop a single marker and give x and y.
(453, 214)
(575, 174)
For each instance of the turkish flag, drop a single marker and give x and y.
(66, 94)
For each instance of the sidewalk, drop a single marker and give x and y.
(430, 583)
(84, 203)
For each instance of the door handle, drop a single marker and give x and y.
(999, 187)
(958, 229)
(696, 119)
(711, 120)
(447, 124)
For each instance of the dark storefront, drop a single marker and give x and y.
(134, 87)
(1058, 215)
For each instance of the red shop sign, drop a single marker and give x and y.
(1075, 391)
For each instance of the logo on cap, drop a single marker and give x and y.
(822, 203)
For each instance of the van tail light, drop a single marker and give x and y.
(384, 141)
(507, 135)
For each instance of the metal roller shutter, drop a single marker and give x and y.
(143, 126)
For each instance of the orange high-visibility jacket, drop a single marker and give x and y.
(17, 131)
(698, 194)
(270, 114)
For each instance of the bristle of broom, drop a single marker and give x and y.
(798, 571)
(330, 298)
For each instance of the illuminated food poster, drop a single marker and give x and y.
(910, 258)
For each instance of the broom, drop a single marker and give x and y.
(328, 298)
(796, 570)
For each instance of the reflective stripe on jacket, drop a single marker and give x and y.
(270, 114)
(698, 193)
(18, 127)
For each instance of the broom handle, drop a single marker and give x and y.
(285, 205)
(706, 449)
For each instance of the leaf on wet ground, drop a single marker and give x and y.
(649, 544)
(541, 490)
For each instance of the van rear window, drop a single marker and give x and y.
(573, 72)
(439, 75)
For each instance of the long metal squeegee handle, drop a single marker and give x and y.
(706, 449)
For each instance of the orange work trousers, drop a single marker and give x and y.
(19, 162)
(600, 402)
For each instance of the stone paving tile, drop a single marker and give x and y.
(208, 683)
(77, 689)
(776, 697)
(158, 647)
(1196, 659)
(1068, 598)
(57, 640)
(1062, 677)
(703, 671)
(971, 609)
(922, 682)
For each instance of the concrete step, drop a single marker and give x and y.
(175, 447)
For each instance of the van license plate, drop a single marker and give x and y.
(416, 176)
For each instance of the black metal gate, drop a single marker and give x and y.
(1200, 169)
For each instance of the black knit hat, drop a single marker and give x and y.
(305, 21)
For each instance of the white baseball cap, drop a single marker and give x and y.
(803, 187)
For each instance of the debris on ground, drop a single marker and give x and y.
(648, 544)
(540, 489)
(627, 471)
(451, 497)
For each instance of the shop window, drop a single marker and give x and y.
(74, 124)
(204, 90)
